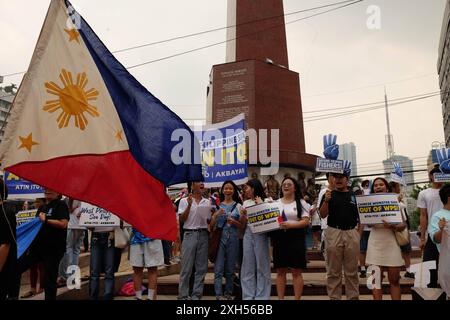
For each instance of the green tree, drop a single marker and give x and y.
(414, 217)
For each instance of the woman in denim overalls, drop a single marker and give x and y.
(227, 218)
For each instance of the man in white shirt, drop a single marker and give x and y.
(429, 203)
(194, 211)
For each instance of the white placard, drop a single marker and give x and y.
(398, 179)
(444, 260)
(264, 217)
(441, 177)
(376, 207)
(328, 165)
(92, 216)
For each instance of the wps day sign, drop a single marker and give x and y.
(92, 216)
(376, 207)
(264, 217)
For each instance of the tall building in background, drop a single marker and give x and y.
(256, 81)
(443, 68)
(347, 151)
(6, 100)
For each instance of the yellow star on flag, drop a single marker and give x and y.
(73, 35)
(27, 142)
(119, 135)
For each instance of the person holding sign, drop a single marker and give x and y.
(227, 218)
(341, 238)
(255, 271)
(8, 248)
(383, 250)
(429, 202)
(440, 218)
(194, 211)
(49, 245)
(289, 243)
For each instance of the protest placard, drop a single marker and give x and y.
(22, 189)
(444, 260)
(376, 207)
(329, 165)
(25, 216)
(441, 177)
(92, 216)
(264, 217)
(398, 179)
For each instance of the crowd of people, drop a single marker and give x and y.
(243, 258)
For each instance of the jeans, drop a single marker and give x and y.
(102, 252)
(256, 282)
(73, 247)
(193, 251)
(226, 259)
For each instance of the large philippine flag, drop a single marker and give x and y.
(83, 126)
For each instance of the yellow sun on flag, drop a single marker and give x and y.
(73, 100)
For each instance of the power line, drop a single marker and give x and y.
(222, 28)
(228, 27)
(245, 35)
(341, 114)
(369, 86)
(371, 103)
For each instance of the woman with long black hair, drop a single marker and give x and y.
(255, 271)
(289, 243)
(227, 218)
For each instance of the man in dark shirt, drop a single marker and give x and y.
(50, 244)
(342, 239)
(8, 248)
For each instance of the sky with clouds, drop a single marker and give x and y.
(340, 60)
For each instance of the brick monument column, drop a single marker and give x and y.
(256, 80)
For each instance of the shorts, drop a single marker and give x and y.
(406, 248)
(147, 255)
(363, 242)
(316, 228)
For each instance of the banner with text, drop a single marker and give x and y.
(92, 216)
(25, 216)
(223, 152)
(22, 189)
(376, 207)
(328, 165)
(264, 217)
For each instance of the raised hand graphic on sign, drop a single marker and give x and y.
(347, 168)
(398, 169)
(330, 148)
(444, 159)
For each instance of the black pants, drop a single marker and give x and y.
(431, 253)
(167, 245)
(51, 261)
(8, 281)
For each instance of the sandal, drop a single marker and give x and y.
(27, 295)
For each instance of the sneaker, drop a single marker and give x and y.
(362, 274)
(409, 275)
(228, 297)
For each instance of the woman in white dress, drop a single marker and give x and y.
(383, 250)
